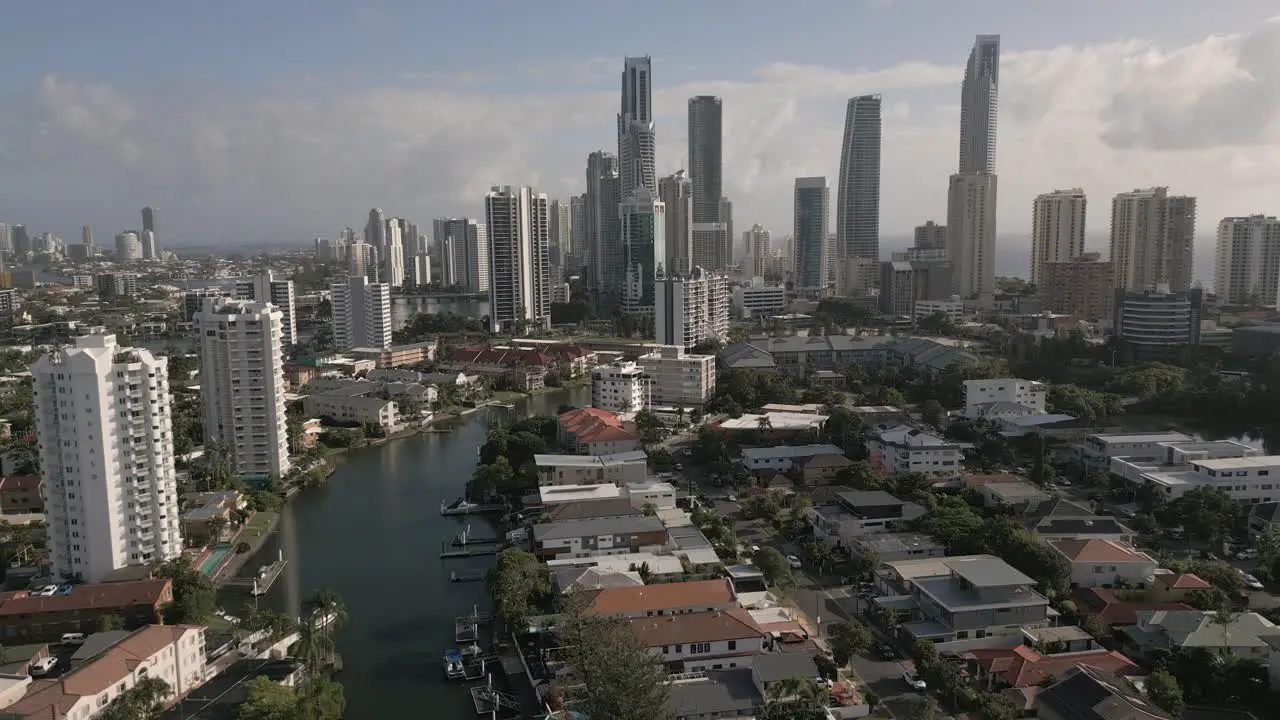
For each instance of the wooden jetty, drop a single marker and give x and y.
(464, 538)
(492, 703)
(267, 575)
(467, 575)
(464, 545)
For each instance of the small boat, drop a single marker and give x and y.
(461, 504)
(453, 669)
(505, 406)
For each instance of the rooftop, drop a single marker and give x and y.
(987, 571)
(1242, 463)
(1080, 525)
(720, 693)
(585, 509)
(868, 498)
(777, 421)
(86, 597)
(1094, 550)
(591, 461)
(595, 527)
(774, 667)
(889, 543)
(663, 596)
(734, 624)
(790, 451)
(1152, 438)
(553, 494)
(1022, 666)
(907, 436)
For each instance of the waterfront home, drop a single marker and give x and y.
(20, 495)
(172, 653)
(679, 598)
(203, 507)
(591, 431)
(589, 509)
(619, 468)
(352, 407)
(1088, 693)
(568, 580)
(588, 538)
(1168, 630)
(27, 617)
(702, 641)
(743, 692)
(1105, 563)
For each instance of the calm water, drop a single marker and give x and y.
(373, 534)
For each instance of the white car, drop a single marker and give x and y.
(42, 666)
(912, 678)
(794, 562)
(46, 591)
(1247, 554)
(1252, 582)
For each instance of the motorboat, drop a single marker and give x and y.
(453, 669)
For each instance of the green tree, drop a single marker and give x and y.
(1165, 691)
(193, 593)
(614, 675)
(515, 580)
(266, 700)
(847, 639)
(107, 623)
(491, 479)
(314, 648)
(923, 707)
(140, 702)
(776, 569)
(931, 412)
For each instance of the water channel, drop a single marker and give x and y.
(373, 535)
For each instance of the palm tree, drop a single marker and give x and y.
(326, 608)
(679, 415)
(139, 702)
(314, 648)
(763, 423)
(794, 699)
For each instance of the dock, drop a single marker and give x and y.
(462, 507)
(467, 575)
(492, 703)
(466, 629)
(464, 538)
(261, 583)
(464, 545)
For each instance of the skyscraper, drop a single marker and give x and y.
(676, 193)
(375, 229)
(979, 105)
(242, 383)
(464, 250)
(1247, 270)
(1057, 229)
(519, 284)
(858, 203)
(128, 247)
(637, 164)
(361, 313)
(148, 242)
(809, 234)
(21, 240)
(931, 235)
(392, 253)
(705, 157)
(759, 244)
(971, 233)
(561, 237)
(86, 238)
(1152, 239)
(577, 234)
(644, 241)
(691, 308)
(106, 448)
(149, 218)
(604, 242)
(279, 292)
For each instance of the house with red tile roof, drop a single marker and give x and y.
(592, 431)
(1106, 563)
(20, 494)
(25, 617)
(660, 599)
(1024, 666)
(1110, 609)
(1175, 587)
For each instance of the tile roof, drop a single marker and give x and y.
(20, 482)
(1097, 550)
(663, 596)
(1091, 694)
(1111, 610)
(587, 509)
(86, 597)
(594, 425)
(735, 624)
(1023, 666)
(1182, 581)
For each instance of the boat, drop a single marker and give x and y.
(453, 669)
(504, 406)
(461, 505)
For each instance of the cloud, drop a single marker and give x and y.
(293, 161)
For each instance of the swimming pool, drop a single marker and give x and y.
(217, 554)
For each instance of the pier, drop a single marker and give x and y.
(463, 507)
(466, 629)
(493, 703)
(464, 545)
(465, 538)
(267, 575)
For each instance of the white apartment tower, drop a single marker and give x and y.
(1152, 239)
(392, 254)
(1057, 229)
(637, 163)
(1247, 270)
(464, 252)
(361, 313)
(692, 308)
(858, 200)
(619, 387)
(971, 233)
(106, 445)
(278, 292)
(759, 243)
(242, 383)
(676, 193)
(519, 282)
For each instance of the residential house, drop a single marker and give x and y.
(25, 617)
(996, 669)
(857, 513)
(820, 469)
(20, 494)
(892, 546)
(904, 449)
(744, 692)
(618, 469)
(1111, 609)
(783, 458)
(569, 580)
(1173, 457)
(1166, 630)
(588, 538)
(204, 510)
(661, 495)
(1084, 527)
(1246, 479)
(1019, 495)
(1175, 587)
(703, 641)
(591, 431)
(1104, 563)
(1088, 693)
(591, 509)
(697, 596)
(1030, 394)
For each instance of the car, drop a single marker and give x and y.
(885, 651)
(1252, 582)
(794, 562)
(913, 679)
(755, 550)
(45, 591)
(43, 666)
(730, 497)
(1247, 554)
(73, 638)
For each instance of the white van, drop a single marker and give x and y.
(72, 639)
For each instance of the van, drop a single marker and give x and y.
(72, 639)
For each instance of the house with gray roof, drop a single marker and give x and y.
(1245, 636)
(598, 536)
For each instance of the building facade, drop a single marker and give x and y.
(278, 292)
(1247, 268)
(676, 193)
(1057, 229)
(361, 313)
(1157, 321)
(812, 210)
(858, 199)
(971, 233)
(1083, 286)
(519, 283)
(464, 253)
(691, 309)
(677, 379)
(1152, 239)
(644, 240)
(619, 387)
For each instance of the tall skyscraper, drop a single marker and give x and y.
(726, 218)
(931, 236)
(361, 313)
(106, 448)
(577, 234)
(148, 242)
(1152, 239)
(1247, 270)
(759, 244)
(6, 239)
(128, 247)
(519, 283)
(86, 238)
(692, 308)
(392, 254)
(858, 203)
(561, 237)
(604, 238)
(1057, 229)
(375, 229)
(242, 383)
(809, 234)
(21, 240)
(676, 193)
(637, 163)
(706, 157)
(464, 249)
(971, 233)
(644, 243)
(149, 219)
(279, 292)
(979, 105)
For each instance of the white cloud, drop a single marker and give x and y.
(292, 163)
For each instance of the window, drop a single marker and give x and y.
(733, 644)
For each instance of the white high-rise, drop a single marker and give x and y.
(561, 237)
(979, 106)
(464, 251)
(1152, 239)
(128, 247)
(148, 242)
(759, 243)
(1247, 270)
(676, 193)
(858, 201)
(690, 309)
(242, 383)
(106, 448)
(1057, 229)
(519, 233)
(637, 163)
(392, 254)
(971, 233)
(277, 291)
(361, 313)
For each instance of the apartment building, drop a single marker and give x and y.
(595, 537)
(677, 379)
(904, 449)
(691, 309)
(1028, 393)
(398, 355)
(618, 469)
(29, 618)
(1083, 287)
(96, 400)
(662, 599)
(361, 313)
(356, 404)
(1159, 321)
(592, 431)
(1152, 239)
(952, 310)
(1175, 457)
(857, 513)
(619, 387)
(1057, 229)
(242, 383)
(268, 288)
(784, 457)
(1246, 479)
(1096, 451)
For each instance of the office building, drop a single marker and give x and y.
(603, 252)
(931, 236)
(897, 289)
(971, 233)
(979, 106)
(812, 208)
(705, 157)
(105, 433)
(1157, 322)
(858, 201)
(759, 299)
(644, 239)
(464, 251)
(1247, 271)
(637, 164)
(676, 193)
(6, 239)
(361, 313)
(242, 383)
(279, 292)
(128, 247)
(1152, 239)
(1057, 229)
(519, 283)
(759, 244)
(1083, 287)
(691, 309)
(20, 240)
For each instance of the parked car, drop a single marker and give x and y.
(42, 666)
(1252, 582)
(885, 651)
(1247, 554)
(794, 562)
(913, 679)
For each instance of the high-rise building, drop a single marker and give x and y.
(361, 313)
(759, 243)
(1157, 323)
(1083, 286)
(193, 300)
(561, 237)
(464, 251)
(858, 200)
(519, 281)
(128, 247)
(375, 229)
(971, 233)
(1057, 229)
(1247, 271)
(637, 163)
(21, 240)
(930, 236)
(710, 246)
(279, 292)
(6, 239)
(691, 309)
(979, 105)
(577, 234)
(644, 247)
(812, 208)
(115, 285)
(706, 168)
(149, 220)
(148, 242)
(1152, 239)
(242, 383)
(726, 217)
(676, 193)
(603, 250)
(105, 432)
(392, 254)
(86, 238)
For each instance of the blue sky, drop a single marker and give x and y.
(282, 120)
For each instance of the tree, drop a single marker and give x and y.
(515, 581)
(327, 606)
(795, 699)
(861, 476)
(1165, 691)
(931, 412)
(776, 569)
(846, 640)
(650, 509)
(107, 623)
(923, 707)
(314, 648)
(193, 593)
(614, 675)
(214, 526)
(491, 479)
(267, 700)
(140, 702)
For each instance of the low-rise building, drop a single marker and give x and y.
(892, 546)
(702, 641)
(1084, 692)
(661, 495)
(857, 513)
(589, 538)
(20, 494)
(1084, 527)
(1022, 497)
(398, 355)
(618, 507)
(1111, 610)
(204, 511)
(1104, 563)
(996, 669)
(1029, 393)
(619, 469)
(619, 387)
(1175, 457)
(1097, 450)
(759, 300)
(680, 598)
(25, 617)
(592, 431)
(678, 379)
(952, 309)
(1247, 479)
(1159, 631)
(904, 449)
(784, 457)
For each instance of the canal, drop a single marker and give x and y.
(373, 535)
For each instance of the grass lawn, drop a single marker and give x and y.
(507, 395)
(257, 527)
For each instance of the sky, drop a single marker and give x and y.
(251, 123)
